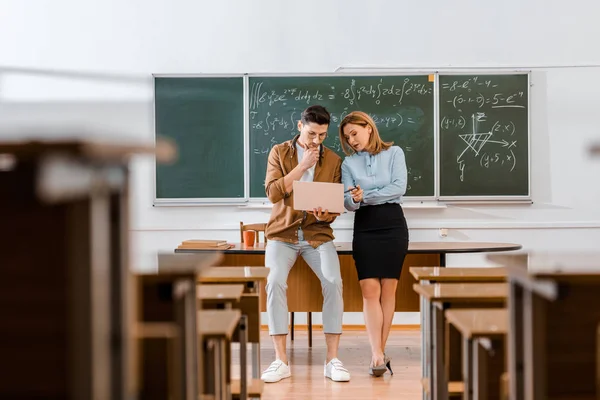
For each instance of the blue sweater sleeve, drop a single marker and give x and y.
(348, 181)
(397, 186)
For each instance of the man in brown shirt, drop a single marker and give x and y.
(291, 233)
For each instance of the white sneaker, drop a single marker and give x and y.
(335, 371)
(277, 371)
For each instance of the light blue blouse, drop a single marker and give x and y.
(382, 177)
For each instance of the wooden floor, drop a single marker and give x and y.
(307, 379)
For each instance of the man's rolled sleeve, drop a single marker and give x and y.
(274, 185)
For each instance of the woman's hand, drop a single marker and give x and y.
(357, 194)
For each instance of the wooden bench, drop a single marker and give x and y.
(437, 298)
(483, 333)
(215, 330)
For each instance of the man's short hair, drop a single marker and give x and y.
(317, 115)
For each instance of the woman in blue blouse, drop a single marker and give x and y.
(375, 171)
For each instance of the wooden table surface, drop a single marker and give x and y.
(459, 274)
(413, 247)
(474, 323)
(220, 292)
(564, 266)
(447, 292)
(218, 323)
(94, 149)
(234, 274)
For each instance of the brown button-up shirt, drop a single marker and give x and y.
(284, 222)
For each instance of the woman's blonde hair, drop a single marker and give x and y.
(375, 145)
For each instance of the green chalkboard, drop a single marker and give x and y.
(402, 107)
(475, 128)
(205, 118)
(484, 135)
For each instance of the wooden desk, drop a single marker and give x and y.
(428, 275)
(483, 333)
(302, 280)
(168, 298)
(437, 299)
(66, 311)
(553, 318)
(459, 274)
(215, 329)
(227, 297)
(251, 277)
(222, 295)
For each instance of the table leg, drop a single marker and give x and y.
(309, 319)
(467, 367)
(255, 360)
(534, 346)
(243, 327)
(515, 341)
(423, 342)
(440, 382)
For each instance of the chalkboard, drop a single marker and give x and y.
(205, 118)
(402, 107)
(464, 135)
(484, 135)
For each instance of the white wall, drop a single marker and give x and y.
(68, 61)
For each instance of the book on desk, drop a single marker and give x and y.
(201, 244)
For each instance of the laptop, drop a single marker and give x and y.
(311, 195)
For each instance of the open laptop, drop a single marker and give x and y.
(311, 195)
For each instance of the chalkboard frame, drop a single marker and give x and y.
(424, 73)
(246, 200)
(194, 201)
(486, 199)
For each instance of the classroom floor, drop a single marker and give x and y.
(307, 381)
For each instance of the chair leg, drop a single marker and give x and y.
(292, 325)
(309, 318)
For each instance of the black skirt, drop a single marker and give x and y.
(380, 241)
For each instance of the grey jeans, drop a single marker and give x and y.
(280, 258)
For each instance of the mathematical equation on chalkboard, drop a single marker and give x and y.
(275, 122)
(352, 93)
(277, 111)
(477, 112)
(469, 91)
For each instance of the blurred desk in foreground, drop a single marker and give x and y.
(553, 322)
(66, 326)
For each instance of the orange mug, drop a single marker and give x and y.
(249, 238)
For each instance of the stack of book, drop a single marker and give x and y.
(199, 244)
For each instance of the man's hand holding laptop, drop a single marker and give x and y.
(321, 215)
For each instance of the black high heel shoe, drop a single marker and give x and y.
(388, 363)
(377, 371)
